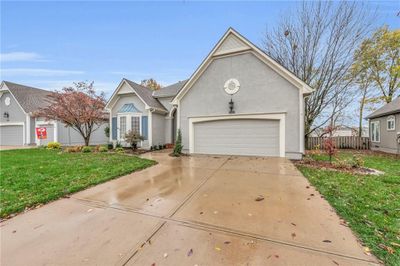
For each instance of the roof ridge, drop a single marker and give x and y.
(25, 86)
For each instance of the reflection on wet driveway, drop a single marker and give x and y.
(192, 210)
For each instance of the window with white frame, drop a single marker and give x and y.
(375, 131)
(391, 123)
(122, 127)
(135, 123)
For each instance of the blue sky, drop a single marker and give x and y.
(51, 44)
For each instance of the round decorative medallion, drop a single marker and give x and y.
(232, 86)
(7, 101)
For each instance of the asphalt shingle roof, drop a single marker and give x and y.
(169, 91)
(147, 95)
(30, 98)
(391, 108)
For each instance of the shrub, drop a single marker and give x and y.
(107, 131)
(119, 150)
(133, 137)
(342, 164)
(178, 145)
(86, 149)
(356, 161)
(53, 145)
(103, 149)
(118, 145)
(329, 144)
(160, 147)
(110, 146)
(74, 149)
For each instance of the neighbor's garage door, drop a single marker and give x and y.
(237, 137)
(11, 135)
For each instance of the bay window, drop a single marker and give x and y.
(122, 127)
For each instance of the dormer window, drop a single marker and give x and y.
(391, 123)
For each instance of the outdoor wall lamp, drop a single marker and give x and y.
(6, 115)
(231, 106)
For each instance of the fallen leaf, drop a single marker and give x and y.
(312, 195)
(190, 253)
(367, 251)
(201, 212)
(307, 186)
(259, 198)
(153, 264)
(14, 231)
(395, 244)
(335, 262)
(147, 199)
(217, 248)
(327, 241)
(308, 198)
(277, 256)
(293, 224)
(388, 249)
(227, 242)
(293, 235)
(269, 256)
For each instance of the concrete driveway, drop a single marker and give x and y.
(188, 211)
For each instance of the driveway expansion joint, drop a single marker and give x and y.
(209, 227)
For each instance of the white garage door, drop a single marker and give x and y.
(11, 135)
(237, 137)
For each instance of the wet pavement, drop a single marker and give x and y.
(197, 210)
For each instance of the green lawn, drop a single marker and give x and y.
(34, 176)
(370, 204)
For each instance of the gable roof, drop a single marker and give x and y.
(234, 42)
(144, 94)
(390, 108)
(29, 98)
(169, 91)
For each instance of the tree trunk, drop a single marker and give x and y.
(86, 140)
(361, 118)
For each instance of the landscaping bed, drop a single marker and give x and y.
(369, 203)
(32, 177)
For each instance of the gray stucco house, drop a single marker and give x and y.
(384, 126)
(17, 124)
(239, 101)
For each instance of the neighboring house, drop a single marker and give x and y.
(342, 131)
(18, 126)
(384, 126)
(239, 101)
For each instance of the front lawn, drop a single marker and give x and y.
(370, 204)
(31, 177)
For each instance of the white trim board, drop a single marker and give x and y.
(273, 116)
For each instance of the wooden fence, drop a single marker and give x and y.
(358, 143)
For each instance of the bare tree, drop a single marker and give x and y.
(317, 43)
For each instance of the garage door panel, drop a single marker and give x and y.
(237, 137)
(11, 135)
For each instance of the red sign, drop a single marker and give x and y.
(41, 133)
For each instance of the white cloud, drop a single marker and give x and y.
(20, 56)
(39, 72)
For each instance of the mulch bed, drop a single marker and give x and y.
(324, 165)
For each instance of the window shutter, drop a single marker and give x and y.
(114, 128)
(145, 127)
